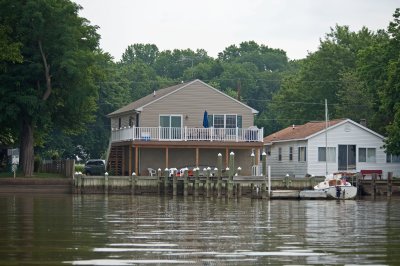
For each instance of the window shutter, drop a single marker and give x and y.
(210, 120)
(239, 121)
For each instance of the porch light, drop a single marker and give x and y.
(239, 168)
(252, 154)
(219, 155)
(287, 175)
(166, 169)
(159, 169)
(227, 169)
(232, 153)
(264, 154)
(215, 169)
(133, 173)
(209, 168)
(106, 173)
(204, 169)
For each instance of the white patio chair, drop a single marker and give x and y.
(152, 172)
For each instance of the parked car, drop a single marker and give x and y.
(95, 167)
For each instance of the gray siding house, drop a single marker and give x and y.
(346, 146)
(184, 125)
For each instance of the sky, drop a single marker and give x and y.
(295, 26)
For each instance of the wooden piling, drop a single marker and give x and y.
(166, 176)
(196, 183)
(133, 184)
(105, 184)
(219, 176)
(373, 184)
(174, 184)
(185, 183)
(389, 184)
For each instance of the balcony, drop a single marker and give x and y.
(187, 134)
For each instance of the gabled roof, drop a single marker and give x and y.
(299, 132)
(309, 130)
(161, 93)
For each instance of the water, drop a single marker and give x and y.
(132, 230)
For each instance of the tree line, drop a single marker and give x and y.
(57, 85)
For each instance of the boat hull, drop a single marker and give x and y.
(346, 192)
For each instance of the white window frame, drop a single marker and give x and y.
(389, 158)
(225, 120)
(331, 154)
(370, 155)
(302, 153)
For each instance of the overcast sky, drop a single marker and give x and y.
(292, 25)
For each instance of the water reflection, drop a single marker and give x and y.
(128, 230)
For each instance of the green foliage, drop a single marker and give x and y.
(79, 168)
(357, 72)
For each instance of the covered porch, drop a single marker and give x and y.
(137, 156)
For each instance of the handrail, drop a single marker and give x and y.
(187, 134)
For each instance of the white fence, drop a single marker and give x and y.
(187, 134)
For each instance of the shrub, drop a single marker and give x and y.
(79, 167)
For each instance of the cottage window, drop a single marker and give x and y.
(119, 122)
(279, 154)
(322, 154)
(290, 153)
(392, 158)
(367, 155)
(302, 154)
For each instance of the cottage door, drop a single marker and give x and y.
(347, 157)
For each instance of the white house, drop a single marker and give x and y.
(314, 149)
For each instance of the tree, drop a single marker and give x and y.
(54, 86)
(10, 51)
(146, 53)
(390, 94)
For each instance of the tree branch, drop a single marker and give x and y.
(46, 73)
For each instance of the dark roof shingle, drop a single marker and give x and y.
(300, 131)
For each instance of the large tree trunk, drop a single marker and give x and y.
(26, 149)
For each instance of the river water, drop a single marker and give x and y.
(137, 230)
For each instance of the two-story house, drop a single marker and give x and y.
(184, 125)
(320, 148)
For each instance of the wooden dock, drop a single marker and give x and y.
(224, 186)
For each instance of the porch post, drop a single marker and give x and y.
(257, 156)
(130, 159)
(197, 156)
(166, 157)
(226, 157)
(137, 160)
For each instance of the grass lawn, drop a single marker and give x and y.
(35, 175)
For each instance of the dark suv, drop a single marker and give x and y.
(95, 167)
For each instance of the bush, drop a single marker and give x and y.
(79, 167)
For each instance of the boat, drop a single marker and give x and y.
(336, 186)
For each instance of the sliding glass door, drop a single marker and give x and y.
(347, 157)
(171, 127)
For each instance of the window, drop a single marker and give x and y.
(170, 126)
(230, 121)
(331, 154)
(302, 154)
(367, 155)
(119, 122)
(290, 153)
(268, 150)
(279, 154)
(219, 121)
(225, 121)
(392, 158)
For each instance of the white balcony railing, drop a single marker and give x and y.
(187, 134)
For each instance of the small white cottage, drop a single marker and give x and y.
(314, 149)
